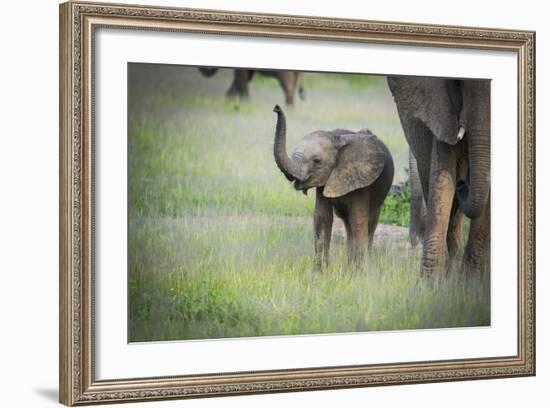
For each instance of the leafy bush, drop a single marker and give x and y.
(397, 206)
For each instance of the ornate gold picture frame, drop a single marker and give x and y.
(79, 23)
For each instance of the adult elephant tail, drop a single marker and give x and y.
(475, 120)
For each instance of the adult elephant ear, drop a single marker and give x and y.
(430, 100)
(359, 163)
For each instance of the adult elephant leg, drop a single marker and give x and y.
(454, 234)
(288, 81)
(479, 242)
(300, 85)
(239, 86)
(439, 205)
(418, 207)
(420, 140)
(233, 90)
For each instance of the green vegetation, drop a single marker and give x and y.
(397, 205)
(220, 245)
(209, 277)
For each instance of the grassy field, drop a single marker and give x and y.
(219, 244)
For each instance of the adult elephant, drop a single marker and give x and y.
(447, 125)
(290, 82)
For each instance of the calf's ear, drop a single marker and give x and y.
(359, 163)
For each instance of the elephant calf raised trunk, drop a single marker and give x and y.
(288, 166)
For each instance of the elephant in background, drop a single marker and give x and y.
(352, 174)
(447, 126)
(290, 81)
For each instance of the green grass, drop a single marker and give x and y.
(219, 244)
(210, 277)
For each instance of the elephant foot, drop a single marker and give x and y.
(434, 266)
(319, 265)
(435, 256)
(355, 260)
(318, 268)
(473, 265)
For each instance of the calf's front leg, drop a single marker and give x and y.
(322, 228)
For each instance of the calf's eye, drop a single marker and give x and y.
(317, 161)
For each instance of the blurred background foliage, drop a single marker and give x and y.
(191, 149)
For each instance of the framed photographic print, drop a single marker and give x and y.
(256, 203)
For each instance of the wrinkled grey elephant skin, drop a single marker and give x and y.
(352, 173)
(447, 126)
(290, 82)
(417, 222)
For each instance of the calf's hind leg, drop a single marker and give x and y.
(373, 223)
(359, 227)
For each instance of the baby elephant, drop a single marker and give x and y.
(352, 173)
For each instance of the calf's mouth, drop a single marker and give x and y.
(300, 185)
